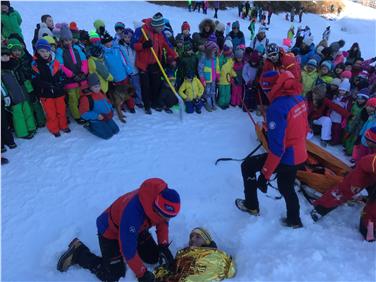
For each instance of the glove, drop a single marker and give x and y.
(262, 183)
(166, 258)
(147, 277)
(7, 101)
(147, 44)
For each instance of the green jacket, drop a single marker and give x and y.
(308, 80)
(11, 23)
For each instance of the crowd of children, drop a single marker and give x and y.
(93, 72)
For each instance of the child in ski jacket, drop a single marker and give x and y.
(208, 70)
(22, 69)
(75, 67)
(48, 83)
(309, 76)
(96, 109)
(227, 73)
(355, 124)
(22, 114)
(237, 86)
(98, 66)
(191, 92)
(250, 73)
(324, 73)
(188, 63)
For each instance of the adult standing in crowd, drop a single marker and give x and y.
(150, 73)
(10, 20)
(44, 28)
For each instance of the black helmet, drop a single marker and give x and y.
(272, 49)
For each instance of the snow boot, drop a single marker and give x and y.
(4, 161)
(57, 134)
(168, 110)
(239, 203)
(148, 111)
(132, 111)
(207, 107)
(66, 130)
(293, 224)
(68, 258)
(315, 215)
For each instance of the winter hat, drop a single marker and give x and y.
(73, 26)
(65, 33)
(308, 40)
(5, 3)
(228, 44)
(84, 35)
(93, 80)
(363, 94)
(319, 91)
(371, 102)
(49, 39)
(94, 37)
(235, 25)
(312, 62)
(336, 81)
(286, 42)
(42, 44)
(346, 74)
(345, 85)
(98, 23)
(268, 79)
(364, 74)
(128, 31)
(106, 38)
(119, 25)
(327, 64)
(220, 27)
(14, 43)
(4, 50)
(254, 58)
(157, 20)
(370, 135)
(239, 53)
(341, 43)
(262, 29)
(185, 26)
(167, 203)
(210, 45)
(204, 234)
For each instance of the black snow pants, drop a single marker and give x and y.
(286, 175)
(150, 86)
(111, 266)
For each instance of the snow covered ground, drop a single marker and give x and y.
(53, 189)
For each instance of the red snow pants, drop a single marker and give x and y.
(56, 116)
(364, 175)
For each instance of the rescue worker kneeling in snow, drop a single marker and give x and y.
(123, 231)
(200, 261)
(287, 124)
(362, 176)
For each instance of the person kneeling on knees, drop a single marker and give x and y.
(96, 109)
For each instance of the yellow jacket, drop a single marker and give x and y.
(190, 90)
(227, 72)
(198, 264)
(100, 72)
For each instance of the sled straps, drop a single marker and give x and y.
(239, 160)
(181, 103)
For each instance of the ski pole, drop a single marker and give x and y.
(180, 100)
(239, 160)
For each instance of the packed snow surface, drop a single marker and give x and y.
(54, 188)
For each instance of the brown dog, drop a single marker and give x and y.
(120, 94)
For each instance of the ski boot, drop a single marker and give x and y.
(68, 258)
(239, 203)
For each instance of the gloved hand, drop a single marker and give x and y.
(147, 44)
(148, 277)
(166, 258)
(7, 101)
(262, 183)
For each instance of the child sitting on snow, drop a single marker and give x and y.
(96, 109)
(168, 98)
(191, 92)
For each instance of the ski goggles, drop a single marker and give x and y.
(14, 46)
